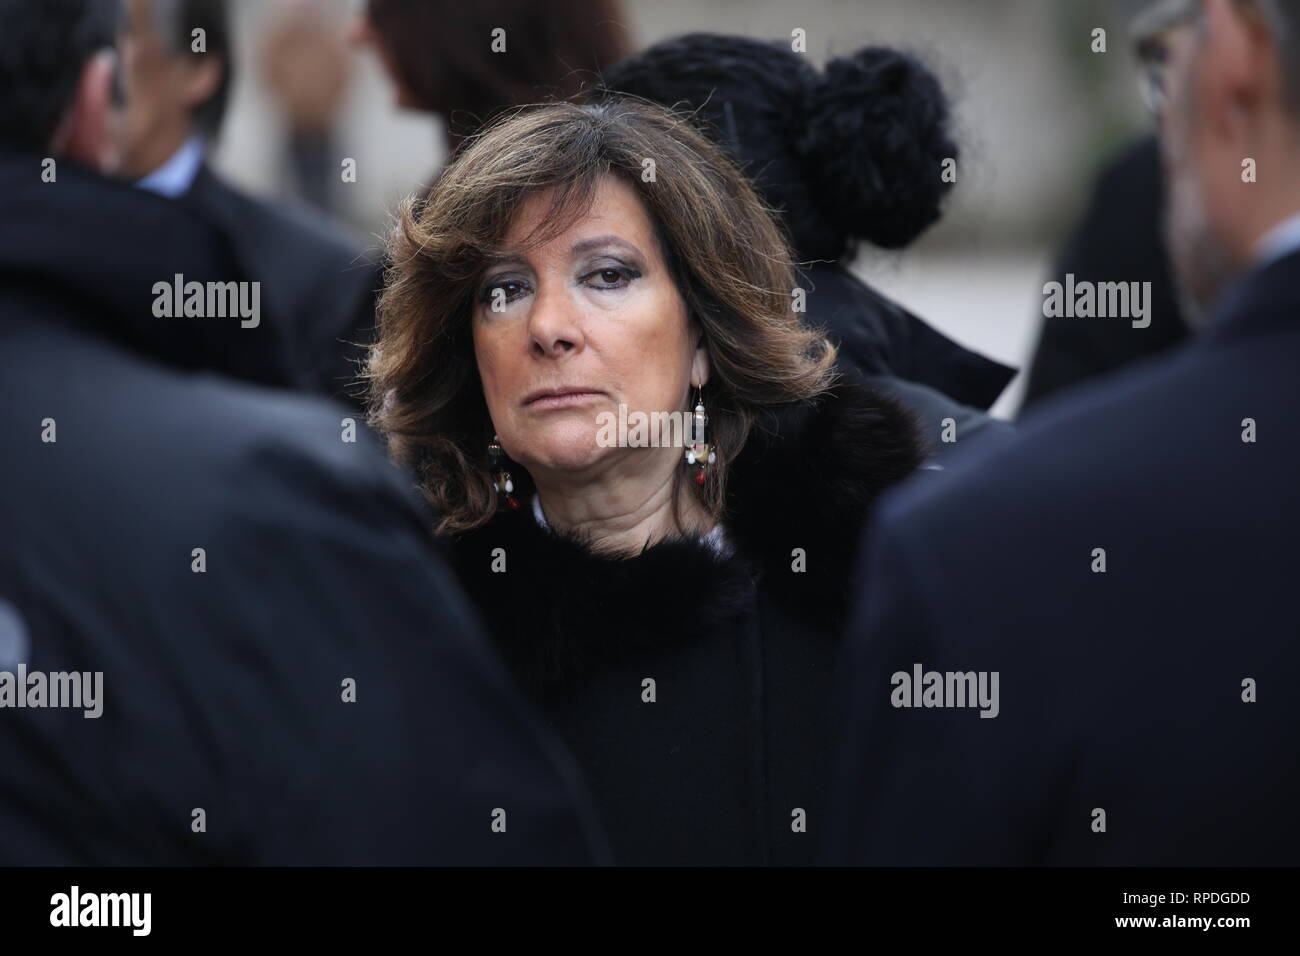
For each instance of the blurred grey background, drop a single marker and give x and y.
(1036, 110)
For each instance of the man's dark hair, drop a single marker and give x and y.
(177, 20)
(44, 46)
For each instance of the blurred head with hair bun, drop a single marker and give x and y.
(852, 152)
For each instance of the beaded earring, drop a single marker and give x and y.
(500, 475)
(699, 454)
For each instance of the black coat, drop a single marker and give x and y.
(1120, 690)
(1119, 239)
(740, 649)
(317, 281)
(222, 690)
(934, 377)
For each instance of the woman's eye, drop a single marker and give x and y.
(510, 289)
(611, 278)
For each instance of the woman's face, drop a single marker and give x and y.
(592, 313)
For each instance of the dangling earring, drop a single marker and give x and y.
(500, 476)
(698, 453)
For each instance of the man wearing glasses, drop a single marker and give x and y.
(1127, 564)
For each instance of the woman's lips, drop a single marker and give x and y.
(567, 400)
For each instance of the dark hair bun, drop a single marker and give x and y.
(874, 140)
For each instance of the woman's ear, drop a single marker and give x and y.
(700, 364)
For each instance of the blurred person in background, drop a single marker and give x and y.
(1125, 567)
(210, 561)
(308, 70)
(1118, 238)
(316, 283)
(672, 605)
(466, 62)
(849, 155)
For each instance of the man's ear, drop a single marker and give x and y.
(88, 133)
(202, 77)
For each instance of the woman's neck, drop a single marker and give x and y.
(624, 516)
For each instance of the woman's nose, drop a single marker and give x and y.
(553, 323)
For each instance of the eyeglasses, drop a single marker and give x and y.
(1151, 35)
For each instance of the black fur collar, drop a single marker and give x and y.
(806, 479)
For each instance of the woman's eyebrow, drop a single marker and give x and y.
(583, 246)
(506, 259)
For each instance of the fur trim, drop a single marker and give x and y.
(806, 478)
(810, 483)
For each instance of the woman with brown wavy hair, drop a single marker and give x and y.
(670, 597)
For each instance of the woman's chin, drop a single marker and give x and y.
(566, 450)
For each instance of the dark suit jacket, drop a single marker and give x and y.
(1119, 691)
(317, 282)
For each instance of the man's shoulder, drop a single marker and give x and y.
(138, 424)
(283, 225)
(1141, 428)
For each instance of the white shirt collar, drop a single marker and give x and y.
(715, 539)
(1281, 240)
(175, 177)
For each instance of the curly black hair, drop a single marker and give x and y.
(852, 152)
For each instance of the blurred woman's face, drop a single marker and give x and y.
(583, 324)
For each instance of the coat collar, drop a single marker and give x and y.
(1263, 300)
(96, 249)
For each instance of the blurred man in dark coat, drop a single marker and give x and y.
(224, 634)
(1124, 570)
(318, 285)
(1118, 239)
